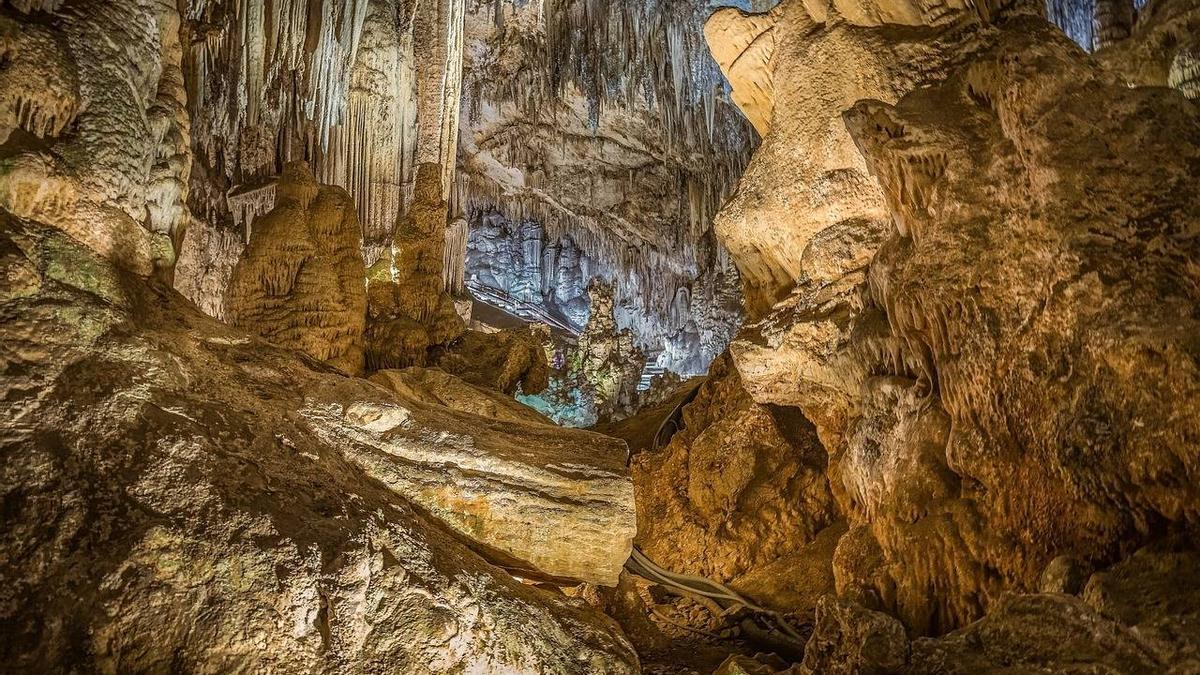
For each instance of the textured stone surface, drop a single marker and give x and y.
(110, 71)
(1001, 375)
(1137, 617)
(1161, 49)
(739, 486)
(504, 360)
(300, 281)
(807, 181)
(1056, 379)
(173, 501)
(850, 640)
(408, 310)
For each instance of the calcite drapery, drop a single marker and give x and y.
(606, 125)
(118, 180)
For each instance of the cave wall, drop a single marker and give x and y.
(620, 141)
(93, 125)
(607, 125)
(965, 312)
(336, 83)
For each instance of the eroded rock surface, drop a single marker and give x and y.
(739, 486)
(175, 500)
(506, 360)
(925, 360)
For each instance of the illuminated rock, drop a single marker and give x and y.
(175, 500)
(300, 281)
(408, 310)
(955, 450)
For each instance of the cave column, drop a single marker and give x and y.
(1112, 21)
(438, 42)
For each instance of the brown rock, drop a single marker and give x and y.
(1010, 378)
(738, 487)
(504, 360)
(850, 640)
(299, 283)
(794, 582)
(171, 503)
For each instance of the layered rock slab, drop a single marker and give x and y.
(171, 503)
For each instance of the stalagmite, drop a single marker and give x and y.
(408, 309)
(299, 283)
(454, 259)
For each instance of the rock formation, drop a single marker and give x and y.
(607, 357)
(739, 486)
(110, 72)
(504, 361)
(593, 378)
(959, 432)
(408, 310)
(1160, 49)
(182, 496)
(605, 126)
(955, 325)
(300, 282)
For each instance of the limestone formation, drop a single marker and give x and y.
(364, 89)
(605, 125)
(607, 357)
(176, 500)
(596, 376)
(110, 72)
(300, 282)
(740, 486)
(505, 361)
(797, 74)
(959, 381)
(959, 432)
(1160, 48)
(408, 310)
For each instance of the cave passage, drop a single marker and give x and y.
(716, 337)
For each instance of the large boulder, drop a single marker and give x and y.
(182, 496)
(738, 487)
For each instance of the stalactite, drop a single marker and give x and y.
(372, 152)
(268, 81)
(455, 257)
(248, 204)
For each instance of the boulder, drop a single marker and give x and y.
(182, 496)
